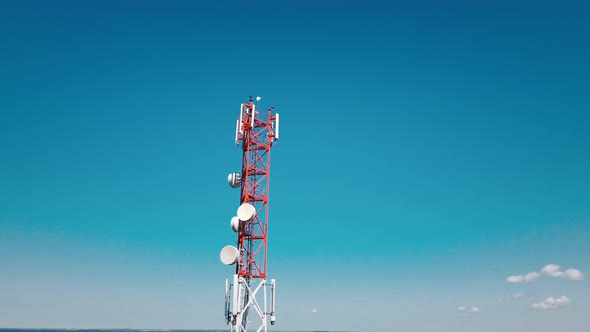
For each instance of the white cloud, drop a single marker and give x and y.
(468, 309)
(531, 276)
(573, 274)
(550, 270)
(552, 302)
(526, 278)
(514, 279)
(314, 310)
(518, 295)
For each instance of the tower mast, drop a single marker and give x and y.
(256, 131)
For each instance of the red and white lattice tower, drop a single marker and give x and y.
(246, 295)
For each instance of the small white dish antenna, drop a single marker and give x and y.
(229, 255)
(246, 212)
(235, 224)
(258, 98)
(234, 179)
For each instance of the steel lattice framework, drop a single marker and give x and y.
(257, 138)
(247, 292)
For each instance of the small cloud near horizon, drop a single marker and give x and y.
(518, 295)
(552, 302)
(468, 309)
(532, 276)
(550, 270)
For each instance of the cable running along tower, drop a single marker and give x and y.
(246, 294)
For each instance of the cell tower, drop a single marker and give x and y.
(246, 294)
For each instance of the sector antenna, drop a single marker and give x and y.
(247, 300)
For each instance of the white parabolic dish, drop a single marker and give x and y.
(234, 180)
(246, 212)
(229, 255)
(235, 224)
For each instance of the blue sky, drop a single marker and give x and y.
(428, 152)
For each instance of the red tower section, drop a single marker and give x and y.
(256, 131)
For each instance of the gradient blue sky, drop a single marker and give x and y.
(428, 151)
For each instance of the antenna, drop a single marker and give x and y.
(247, 292)
(229, 255)
(237, 130)
(235, 224)
(277, 129)
(246, 212)
(234, 179)
(241, 124)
